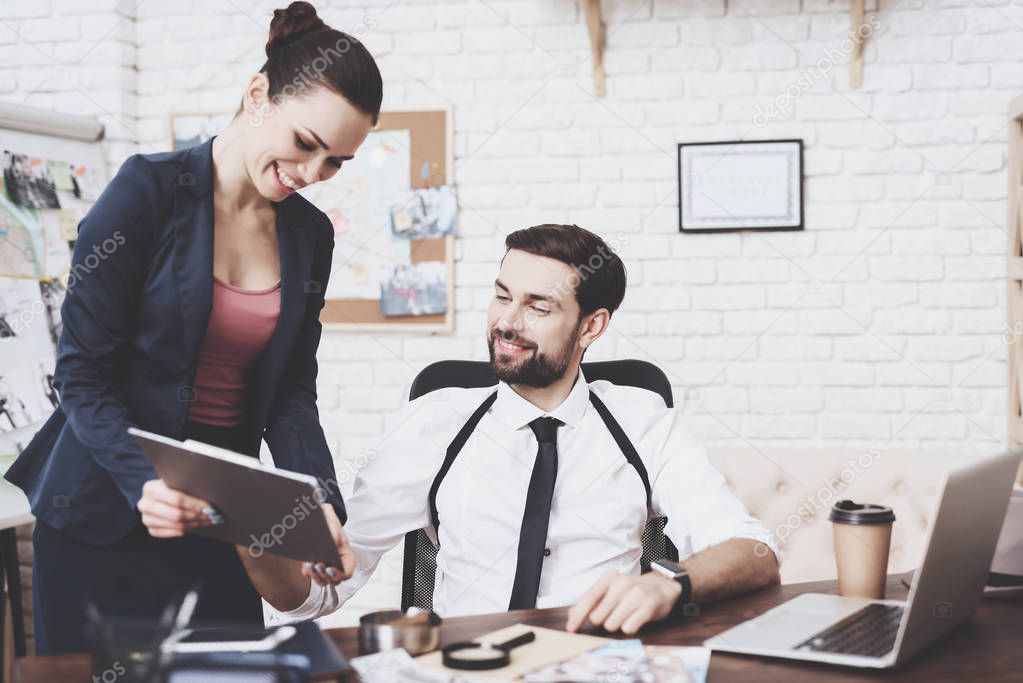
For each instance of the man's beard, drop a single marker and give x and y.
(538, 370)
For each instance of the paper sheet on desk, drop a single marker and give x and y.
(549, 647)
(629, 661)
(397, 665)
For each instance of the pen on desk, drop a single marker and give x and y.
(185, 612)
(161, 653)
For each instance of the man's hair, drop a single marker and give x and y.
(599, 277)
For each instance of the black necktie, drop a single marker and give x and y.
(533, 534)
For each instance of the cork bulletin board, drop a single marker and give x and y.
(432, 154)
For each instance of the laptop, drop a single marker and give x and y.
(946, 589)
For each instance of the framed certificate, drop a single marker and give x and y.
(725, 186)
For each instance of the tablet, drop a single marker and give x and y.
(265, 509)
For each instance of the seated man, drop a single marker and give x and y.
(534, 501)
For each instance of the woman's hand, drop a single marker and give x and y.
(325, 575)
(168, 513)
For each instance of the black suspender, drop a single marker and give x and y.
(454, 448)
(625, 445)
(456, 445)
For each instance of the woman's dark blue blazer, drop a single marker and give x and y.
(134, 317)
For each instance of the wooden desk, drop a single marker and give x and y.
(988, 648)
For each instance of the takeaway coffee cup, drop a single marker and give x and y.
(863, 534)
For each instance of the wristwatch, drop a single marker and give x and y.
(675, 572)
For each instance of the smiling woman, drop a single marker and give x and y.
(214, 339)
(308, 108)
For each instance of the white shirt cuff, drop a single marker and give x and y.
(321, 600)
(765, 541)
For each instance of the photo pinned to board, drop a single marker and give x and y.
(55, 240)
(22, 241)
(415, 289)
(27, 394)
(425, 213)
(21, 321)
(67, 225)
(88, 182)
(61, 172)
(28, 181)
(69, 216)
(26, 376)
(52, 292)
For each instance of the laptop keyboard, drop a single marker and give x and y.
(869, 632)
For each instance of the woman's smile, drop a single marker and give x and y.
(285, 182)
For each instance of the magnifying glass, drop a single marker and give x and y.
(483, 655)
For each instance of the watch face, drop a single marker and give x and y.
(668, 567)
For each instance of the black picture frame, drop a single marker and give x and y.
(736, 223)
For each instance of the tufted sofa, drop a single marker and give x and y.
(792, 491)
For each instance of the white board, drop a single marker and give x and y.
(30, 311)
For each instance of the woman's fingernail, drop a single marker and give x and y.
(318, 569)
(210, 511)
(331, 572)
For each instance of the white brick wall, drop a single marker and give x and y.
(890, 301)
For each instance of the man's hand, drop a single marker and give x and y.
(624, 601)
(331, 576)
(168, 513)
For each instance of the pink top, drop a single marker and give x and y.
(241, 323)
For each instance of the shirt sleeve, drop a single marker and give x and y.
(322, 600)
(701, 510)
(388, 500)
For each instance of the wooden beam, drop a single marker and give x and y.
(598, 38)
(856, 61)
(1014, 275)
(1015, 268)
(1016, 108)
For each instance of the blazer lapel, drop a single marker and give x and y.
(295, 242)
(193, 246)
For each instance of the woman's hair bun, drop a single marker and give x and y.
(296, 20)
(300, 40)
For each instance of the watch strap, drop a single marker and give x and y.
(677, 573)
(679, 607)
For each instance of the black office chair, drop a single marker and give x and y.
(420, 564)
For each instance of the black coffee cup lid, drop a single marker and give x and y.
(848, 512)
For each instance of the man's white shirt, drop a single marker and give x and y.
(597, 516)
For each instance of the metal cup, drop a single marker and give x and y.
(381, 631)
